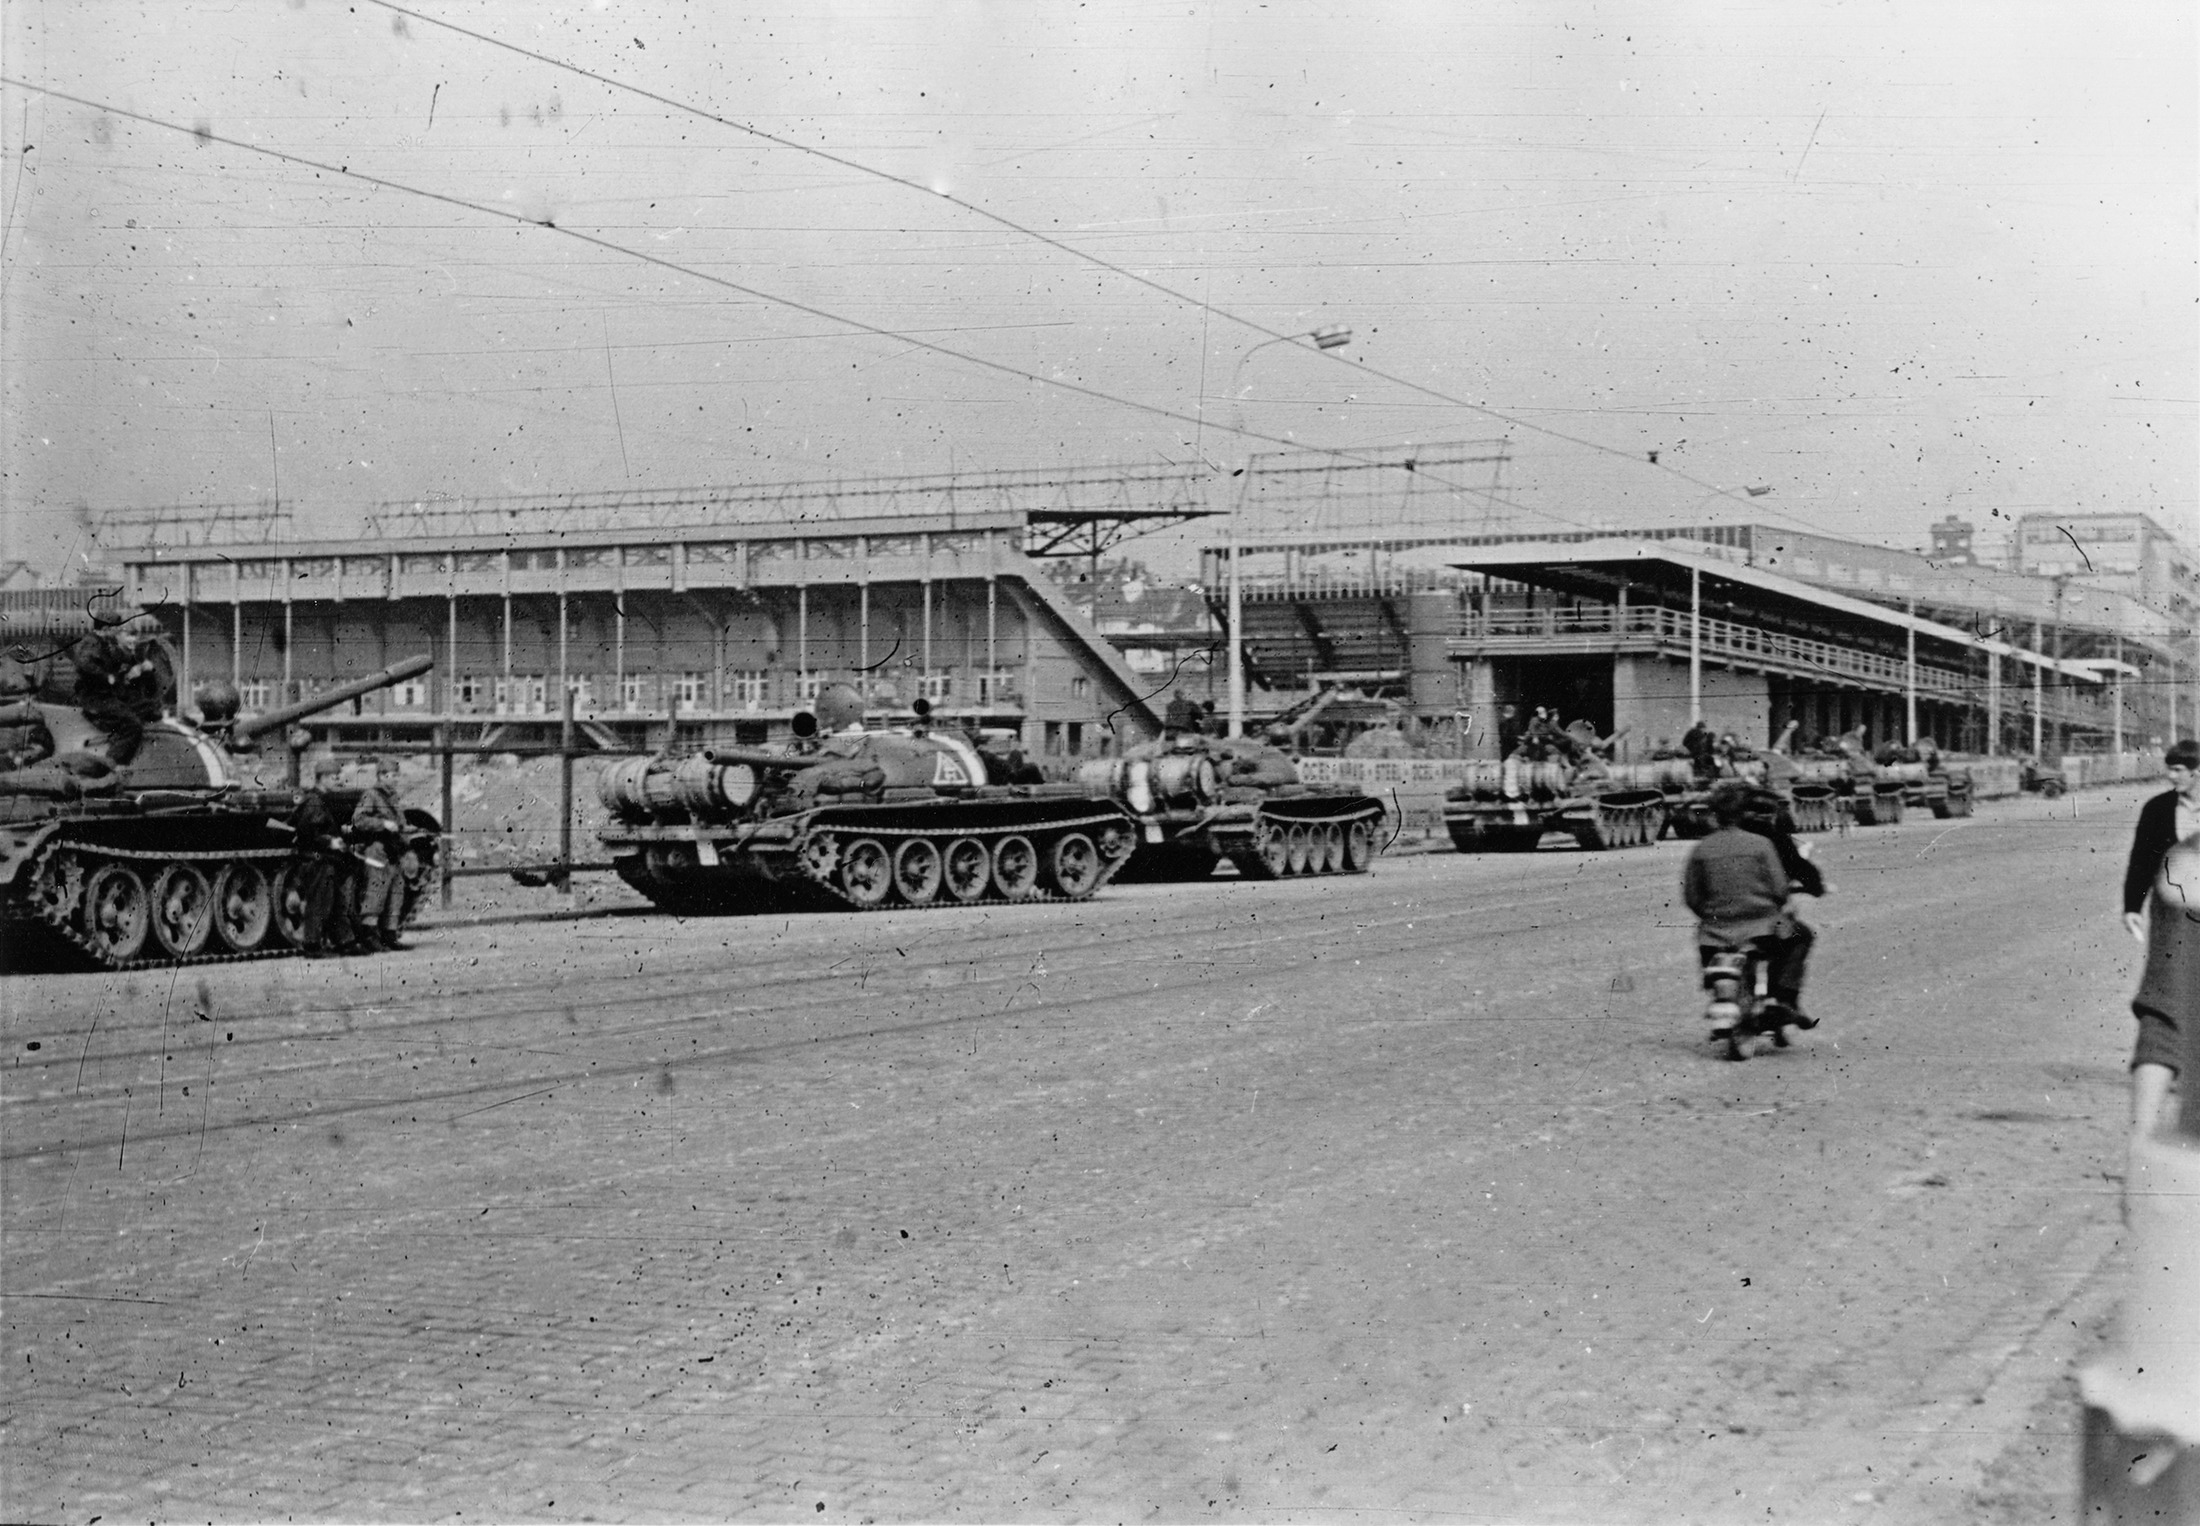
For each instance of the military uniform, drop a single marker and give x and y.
(326, 878)
(119, 689)
(378, 827)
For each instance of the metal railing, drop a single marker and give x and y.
(1667, 630)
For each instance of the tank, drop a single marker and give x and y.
(1199, 800)
(1816, 790)
(852, 817)
(1930, 782)
(1511, 805)
(177, 854)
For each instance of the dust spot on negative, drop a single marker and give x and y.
(665, 1082)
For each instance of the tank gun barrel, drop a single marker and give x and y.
(273, 720)
(790, 763)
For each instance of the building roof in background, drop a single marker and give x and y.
(1599, 569)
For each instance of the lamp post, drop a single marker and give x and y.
(1329, 337)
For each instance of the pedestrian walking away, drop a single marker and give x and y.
(2170, 817)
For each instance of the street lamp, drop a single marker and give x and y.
(1327, 337)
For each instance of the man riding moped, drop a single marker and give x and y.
(1738, 881)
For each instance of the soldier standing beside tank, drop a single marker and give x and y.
(326, 879)
(378, 830)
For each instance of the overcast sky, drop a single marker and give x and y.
(1891, 261)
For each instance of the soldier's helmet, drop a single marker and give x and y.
(218, 702)
(838, 707)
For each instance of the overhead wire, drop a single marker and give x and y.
(1061, 246)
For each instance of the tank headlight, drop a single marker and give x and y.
(737, 783)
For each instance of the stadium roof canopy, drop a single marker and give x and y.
(1667, 570)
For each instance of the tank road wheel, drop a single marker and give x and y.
(1325, 850)
(821, 857)
(1599, 830)
(967, 869)
(58, 885)
(1359, 846)
(917, 871)
(1115, 842)
(1072, 867)
(1274, 848)
(244, 906)
(866, 873)
(183, 911)
(287, 904)
(117, 912)
(1298, 845)
(1015, 868)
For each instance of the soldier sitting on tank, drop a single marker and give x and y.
(24, 739)
(378, 831)
(1542, 740)
(1181, 714)
(119, 687)
(1701, 744)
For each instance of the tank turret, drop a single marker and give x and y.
(130, 835)
(864, 818)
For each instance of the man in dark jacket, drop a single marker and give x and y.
(326, 873)
(2169, 817)
(1738, 887)
(378, 831)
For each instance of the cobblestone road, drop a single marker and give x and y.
(1415, 1197)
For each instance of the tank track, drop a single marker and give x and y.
(813, 874)
(1595, 825)
(59, 922)
(1271, 856)
(1036, 895)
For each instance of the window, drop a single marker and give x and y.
(254, 695)
(747, 688)
(938, 686)
(412, 694)
(633, 692)
(1054, 738)
(523, 694)
(1076, 736)
(1080, 688)
(806, 686)
(584, 695)
(688, 691)
(996, 688)
(468, 688)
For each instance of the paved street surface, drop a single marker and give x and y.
(1416, 1197)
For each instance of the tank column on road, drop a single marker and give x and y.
(2141, 1457)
